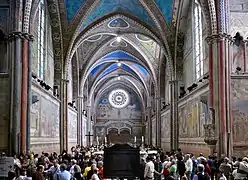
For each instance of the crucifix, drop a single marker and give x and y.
(89, 135)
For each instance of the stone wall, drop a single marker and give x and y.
(240, 114)
(5, 78)
(5, 103)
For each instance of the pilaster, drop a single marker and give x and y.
(174, 123)
(149, 120)
(79, 120)
(219, 86)
(63, 115)
(158, 121)
(88, 123)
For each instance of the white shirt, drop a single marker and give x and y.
(149, 170)
(72, 170)
(189, 165)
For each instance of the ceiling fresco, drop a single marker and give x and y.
(106, 6)
(72, 6)
(166, 7)
(118, 55)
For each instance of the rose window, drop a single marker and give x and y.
(119, 98)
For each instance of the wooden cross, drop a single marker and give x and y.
(89, 135)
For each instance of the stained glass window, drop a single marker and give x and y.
(41, 38)
(198, 55)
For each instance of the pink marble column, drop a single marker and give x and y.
(219, 88)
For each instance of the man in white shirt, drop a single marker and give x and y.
(73, 162)
(149, 169)
(189, 166)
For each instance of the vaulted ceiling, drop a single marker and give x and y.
(106, 6)
(118, 43)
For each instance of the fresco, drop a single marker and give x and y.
(131, 111)
(107, 6)
(72, 6)
(44, 117)
(72, 124)
(240, 121)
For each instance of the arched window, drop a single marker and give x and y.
(41, 38)
(198, 55)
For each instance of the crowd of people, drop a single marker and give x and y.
(177, 165)
(83, 164)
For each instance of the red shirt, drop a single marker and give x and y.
(100, 173)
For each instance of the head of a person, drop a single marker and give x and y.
(200, 168)
(73, 161)
(157, 158)
(187, 156)
(40, 168)
(63, 167)
(226, 160)
(100, 164)
(93, 166)
(77, 168)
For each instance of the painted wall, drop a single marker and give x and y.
(192, 115)
(44, 121)
(108, 117)
(72, 127)
(240, 114)
(239, 17)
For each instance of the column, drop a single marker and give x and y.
(29, 100)
(158, 121)
(88, 122)
(174, 123)
(79, 120)
(245, 54)
(149, 120)
(63, 115)
(219, 88)
(15, 49)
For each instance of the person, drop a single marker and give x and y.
(200, 173)
(100, 169)
(38, 175)
(64, 174)
(149, 169)
(189, 166)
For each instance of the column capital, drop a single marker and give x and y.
(216, 37)
(20, 35)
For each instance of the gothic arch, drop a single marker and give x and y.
(160, 23)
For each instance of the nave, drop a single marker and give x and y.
(167, 74)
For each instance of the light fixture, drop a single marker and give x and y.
(119, 78)
(118, 39)
(119, 64)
